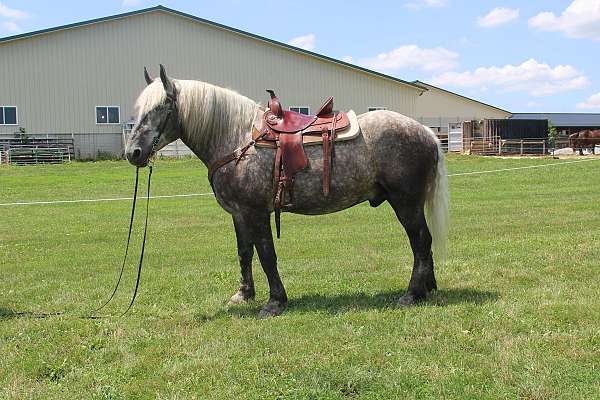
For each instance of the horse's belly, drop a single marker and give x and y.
(352, 180)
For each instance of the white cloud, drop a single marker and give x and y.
(10, 27)
(418, 4)
(131, 3)
(12, 12)
(592, 102)
(537, 79)
(412, 56)
(306, 42)
(348, 59)
(581, 19)
(11, 15)
(498, 16)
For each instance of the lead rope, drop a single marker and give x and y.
(137, 175)
(137, 282)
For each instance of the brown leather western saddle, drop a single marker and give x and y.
(287, 131)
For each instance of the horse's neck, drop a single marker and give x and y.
(218, 146)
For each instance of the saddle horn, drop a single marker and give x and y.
(147, 76)
(274, 104)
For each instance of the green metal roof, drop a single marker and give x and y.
(215, 24)
(425, 85)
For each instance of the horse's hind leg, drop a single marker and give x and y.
(422, 280)
(245, 248)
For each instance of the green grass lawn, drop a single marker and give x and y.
(517, 314)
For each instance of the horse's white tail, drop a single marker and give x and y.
(436, 208)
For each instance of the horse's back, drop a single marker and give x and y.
(390, 125)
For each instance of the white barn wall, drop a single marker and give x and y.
(437, 107)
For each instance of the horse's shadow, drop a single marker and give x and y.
(343, 303)
(389, 299)
(7, 313)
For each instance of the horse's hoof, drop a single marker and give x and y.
(409, 299)
(240, 298)
(272, 309)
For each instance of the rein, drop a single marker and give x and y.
(137, 175)
(139, 273)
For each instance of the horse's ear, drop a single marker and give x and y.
(167, 83)
(149, 79)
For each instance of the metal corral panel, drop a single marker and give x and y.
(57, 78)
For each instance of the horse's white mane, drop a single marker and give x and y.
(207, 112)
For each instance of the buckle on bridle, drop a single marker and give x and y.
(155, 141)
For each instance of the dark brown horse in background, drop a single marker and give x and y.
(587, 139)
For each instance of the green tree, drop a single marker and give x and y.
(552, 134)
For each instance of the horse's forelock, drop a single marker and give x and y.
(152, 95)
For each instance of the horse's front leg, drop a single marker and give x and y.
(263, 241)
(245, 248)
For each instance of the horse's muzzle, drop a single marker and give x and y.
(137, 156)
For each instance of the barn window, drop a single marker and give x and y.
(377, 108)
(301, 110)
(8, 115)
(108, 115)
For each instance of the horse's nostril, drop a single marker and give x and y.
(136, 153)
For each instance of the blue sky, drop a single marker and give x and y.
(538, 55)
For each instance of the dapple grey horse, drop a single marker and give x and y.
(394, 159)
